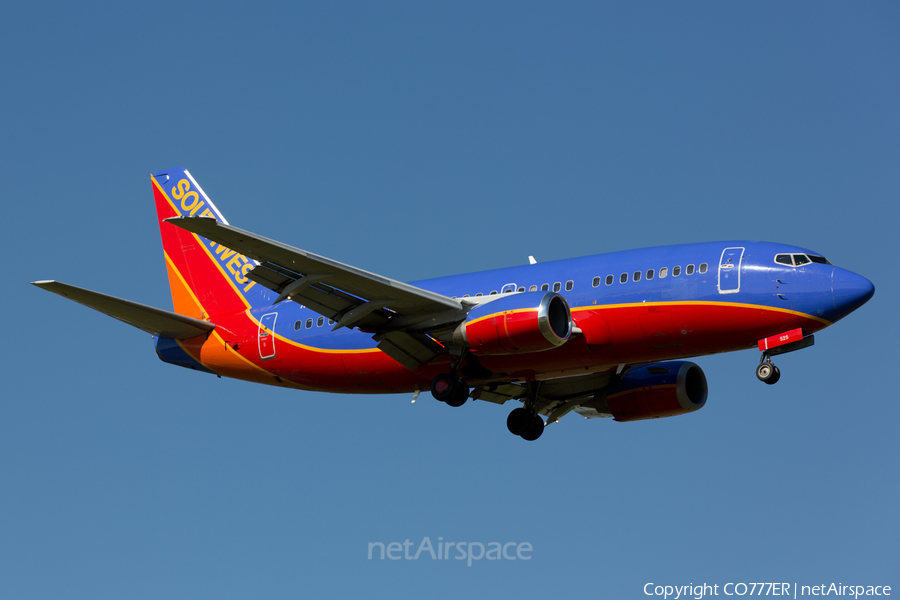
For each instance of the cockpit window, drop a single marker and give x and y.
(796, 260)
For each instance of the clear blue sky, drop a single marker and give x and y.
(417, 140)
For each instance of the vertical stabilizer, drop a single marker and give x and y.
(206, 278)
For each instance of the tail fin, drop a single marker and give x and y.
(206, 278)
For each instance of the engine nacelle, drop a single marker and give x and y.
(657, 390)
(522, 322)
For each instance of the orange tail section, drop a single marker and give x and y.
(206, 278)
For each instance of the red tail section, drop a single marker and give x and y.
(206, 278)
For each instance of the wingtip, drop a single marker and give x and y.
(42, 282)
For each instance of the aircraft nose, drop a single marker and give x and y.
(849, 290)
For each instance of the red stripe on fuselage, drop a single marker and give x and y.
(611, 335)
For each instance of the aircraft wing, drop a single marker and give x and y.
(155, 321)
(396, 312)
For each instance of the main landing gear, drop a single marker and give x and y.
(524, 421)
(449, 389)
(525, 424)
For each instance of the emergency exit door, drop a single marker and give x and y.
(267, 336)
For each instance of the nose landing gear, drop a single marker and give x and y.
(766, 371)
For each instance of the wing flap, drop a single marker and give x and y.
(155, 321)
(407, 349)
(499, 393)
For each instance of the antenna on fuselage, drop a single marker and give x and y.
(531, 260)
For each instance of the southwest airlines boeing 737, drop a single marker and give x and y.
(602, 335)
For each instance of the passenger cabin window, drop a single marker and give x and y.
(493, 292)
(689, 270)
(649, 274)
(676, 271)
(298, 325)
(637, 275)
(703, 267)
(521, 289)
(569, 285)
(479, 294)
(610, 279)
(623, 278)
(556, 286)
(465, 295)
(331, 321)
(595, 282)
(309, 323)
(663, 272)
(320, 321)
(545, 287)
(532, 288)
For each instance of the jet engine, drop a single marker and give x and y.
(652, 391)
(514, 323)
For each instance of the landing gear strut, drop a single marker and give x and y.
(524, 421)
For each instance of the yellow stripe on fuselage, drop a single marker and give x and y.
(310, 348)
(492, 315)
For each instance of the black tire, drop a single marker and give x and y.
(765, 372)
(535, 431)
(775, 376)
(460, 396)
(443, 387)
(519, 421)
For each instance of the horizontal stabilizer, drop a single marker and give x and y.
(351, 296)
(147, 318)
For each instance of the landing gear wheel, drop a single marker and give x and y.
(767, 373)
(460, 396)
(535, 431)
(519, 421)
(443, 386)
(447, 388)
